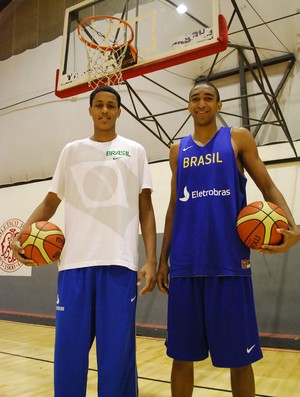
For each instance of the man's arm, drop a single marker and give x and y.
(43, 212)
(148, 229)
(163, 268)
(250, 160)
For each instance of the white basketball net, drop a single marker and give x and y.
(106, 43)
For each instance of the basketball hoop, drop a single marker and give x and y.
(108, 47)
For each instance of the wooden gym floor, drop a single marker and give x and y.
(26, 367)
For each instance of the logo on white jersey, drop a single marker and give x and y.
(117, 154)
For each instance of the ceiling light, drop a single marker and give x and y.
(181, 9)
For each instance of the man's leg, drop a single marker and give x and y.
(115, 331)
(182, 378)
(187, 340)
(233, 334)
(242, 381)
(74, 332)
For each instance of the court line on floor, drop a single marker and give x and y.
(139, 377)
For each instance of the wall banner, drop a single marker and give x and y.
(9, 266)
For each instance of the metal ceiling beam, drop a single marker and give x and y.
(246, 117)
(259, 75)
(235, 71)
(243, 91)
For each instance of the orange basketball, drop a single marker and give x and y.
(257, 224)
(43, 242)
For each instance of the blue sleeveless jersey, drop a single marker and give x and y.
(210, 193)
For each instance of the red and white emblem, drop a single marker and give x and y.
(8, 231)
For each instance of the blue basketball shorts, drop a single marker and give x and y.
(96, 302)
(213, 316)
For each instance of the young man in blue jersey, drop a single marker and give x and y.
(210, 297)
(106, 186)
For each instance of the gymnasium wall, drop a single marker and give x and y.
(34, 127)
(29, 23)
(35, 124)
(32, 297)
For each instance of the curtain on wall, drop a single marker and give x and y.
(26, 24)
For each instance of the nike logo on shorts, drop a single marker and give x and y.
(250, 349)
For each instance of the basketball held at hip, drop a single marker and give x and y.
(257, 224)
(42, 242)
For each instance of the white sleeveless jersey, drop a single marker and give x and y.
(100, 183)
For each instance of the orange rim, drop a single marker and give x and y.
(96, 46)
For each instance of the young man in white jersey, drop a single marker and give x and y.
(106, 186)
(210, 297)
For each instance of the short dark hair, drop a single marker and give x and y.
(105, 88)
(197, 84)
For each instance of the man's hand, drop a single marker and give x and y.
(163, 278)
(148, 271)
(290, 238)
(19, 252)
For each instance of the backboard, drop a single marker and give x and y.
(163, 37)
